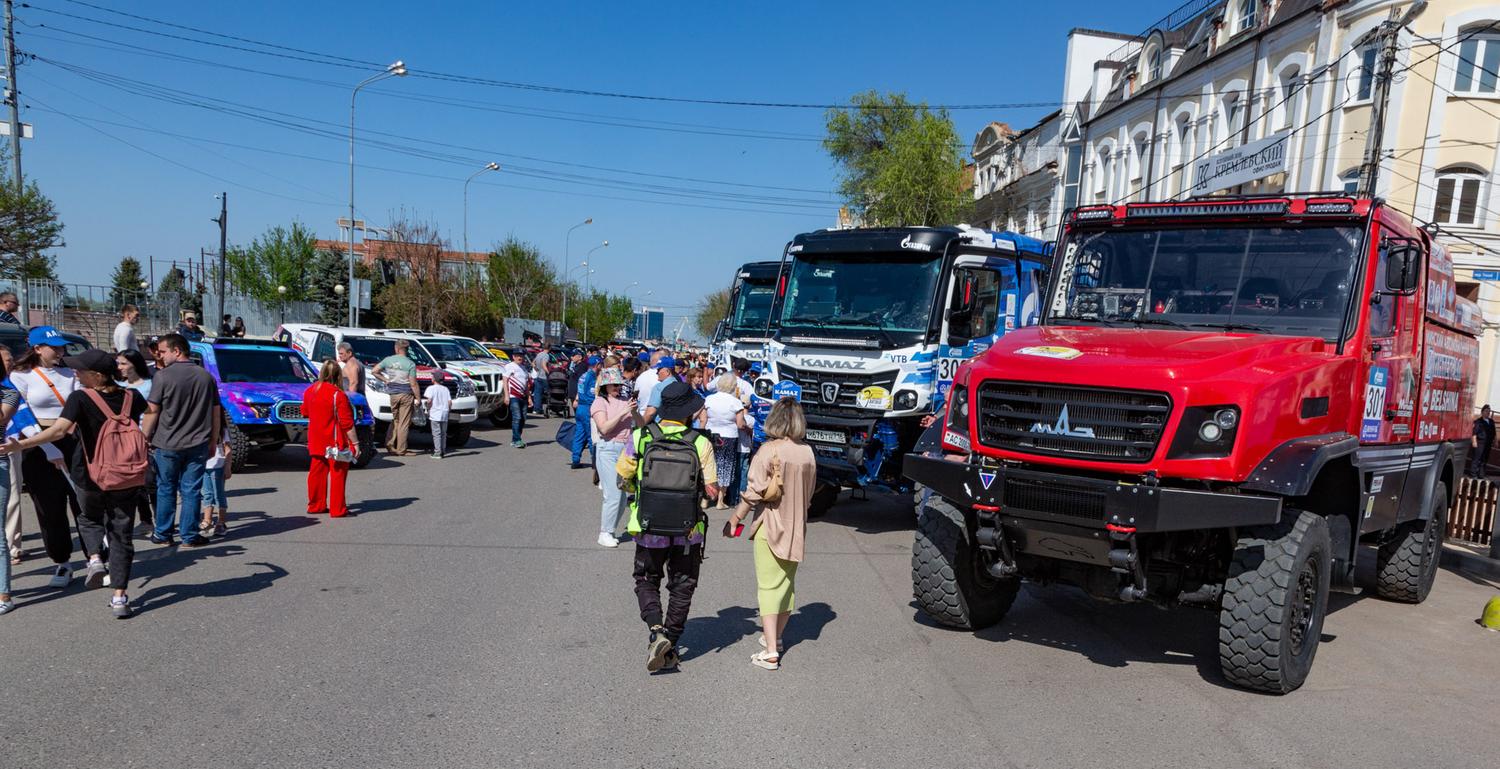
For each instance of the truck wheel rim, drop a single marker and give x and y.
(1304, 606)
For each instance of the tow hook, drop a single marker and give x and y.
(1125, 558)
(992, 538)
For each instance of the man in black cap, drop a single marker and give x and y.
(1480, 443)
(675, 556)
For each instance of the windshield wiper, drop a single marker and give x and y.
(1159, 321)
(1234, 327)
(809, 320)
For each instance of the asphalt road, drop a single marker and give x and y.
(466, 618)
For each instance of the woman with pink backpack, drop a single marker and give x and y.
(108, 466)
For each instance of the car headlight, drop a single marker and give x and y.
(261, 410)
(377, 385)
(906, 399)
(1205, 432)
(763, 388)
(465, 386)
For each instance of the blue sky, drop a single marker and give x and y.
(134, 170)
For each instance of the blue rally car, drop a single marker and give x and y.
(260, 385)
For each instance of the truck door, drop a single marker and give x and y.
(983, 303)
(1387, 426)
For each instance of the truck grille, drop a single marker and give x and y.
(290, 411)
(1048, 497)
(848, 383)
(1084, 422)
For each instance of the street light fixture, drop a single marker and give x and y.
(588, 291)
(396, 69)
(487, 167)
(281, 292)
(568, 269)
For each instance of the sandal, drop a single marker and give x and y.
(780, 643)
(766, 660)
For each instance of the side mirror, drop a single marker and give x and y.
(1403, 268)
(959, 319)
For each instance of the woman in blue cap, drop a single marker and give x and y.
(45, 385)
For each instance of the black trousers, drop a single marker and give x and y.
(110, 515)
(52, 496)
(680, 566)
(1478, 458)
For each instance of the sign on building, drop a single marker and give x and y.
(1245, 163)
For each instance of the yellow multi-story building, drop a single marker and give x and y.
(1145, 115)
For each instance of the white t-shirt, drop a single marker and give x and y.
(439, 402)
(644, 384)
(124, 337)
(747, 436)
(721, 410)
(518, 381)
(745, 390)
(43, 398)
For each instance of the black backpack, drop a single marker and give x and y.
(671, 482)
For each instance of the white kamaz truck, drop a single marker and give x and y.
(743, 333)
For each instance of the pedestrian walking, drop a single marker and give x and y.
(135, 375)
(352, 372)
(399, 373)
(45, 384)
(436, 403)
(189, 329)
(649, 398)
(9, 306)
(183, 422)
(724, 422)
(216, 471)
(539, 369)
(516, 384)
(782, 477)
(613, 416)
(332, 444)
(107, 465)
(670, 468)
(583, 398)
(124, 335)
(1480, 443)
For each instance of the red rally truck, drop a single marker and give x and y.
(1226, 398)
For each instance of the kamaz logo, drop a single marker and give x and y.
(1063, 427)
(833, 363)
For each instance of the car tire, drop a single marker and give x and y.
(239, 447)
(458, 436)
(824, 497)
(500, 417)
(1275, 599)
(366, 434)
(950, 580)
(1406, 565)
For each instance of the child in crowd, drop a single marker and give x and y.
(437, 401)
(215, 501)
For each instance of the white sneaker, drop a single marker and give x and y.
(608, 540)
(61, 577)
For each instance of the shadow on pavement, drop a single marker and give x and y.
(872, 512)
(245, 492)
(166, 595)
(705, 635)
(260, 524)
(807, 623)
(380, 505)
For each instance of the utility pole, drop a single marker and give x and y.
(223, 222)
(1386, 37)
(13, 99)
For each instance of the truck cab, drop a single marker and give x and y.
(1226, 400)
(872, 326)
(743, 333)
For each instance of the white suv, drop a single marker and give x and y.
(466, 356)
(319, 343)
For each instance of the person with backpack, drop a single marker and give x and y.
(669, 467)
(108, 466)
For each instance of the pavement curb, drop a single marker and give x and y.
(1460, 558)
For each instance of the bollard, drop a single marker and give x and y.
(1490, 619)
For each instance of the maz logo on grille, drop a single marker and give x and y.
(1063, 427)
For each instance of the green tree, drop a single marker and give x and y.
(712, 308)
(327, 272)
(901, 163)
(28, 227)
(281, 256)
(520, 282)
(125, 283)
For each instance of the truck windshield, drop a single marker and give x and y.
(371, 350)
(1276, 280)
(888, 292)
(447, 351)
(263, 366)
(752, 308)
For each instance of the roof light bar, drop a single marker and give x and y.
(1169, 210)
(1334, 206)
(1093, 214)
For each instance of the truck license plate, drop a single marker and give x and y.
(827, 436)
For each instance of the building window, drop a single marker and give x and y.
(1153, 65)
(1478, 65)
(1365, 80)
(1072, 176)
(1234, 120)
(1186, 146)
(1291, 98)
(1349, 180)
(1247, 13)
(1457, 196)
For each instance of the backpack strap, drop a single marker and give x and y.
(654, 430)
(103, 407)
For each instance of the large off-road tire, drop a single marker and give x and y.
(1275, 598)
(366, 434)
(1406, 565)
(239, 447)
(951, 583)
(824, 497)
(459, 436)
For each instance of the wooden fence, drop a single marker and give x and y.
(1472, 518)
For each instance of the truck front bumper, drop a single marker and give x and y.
(1016, 493)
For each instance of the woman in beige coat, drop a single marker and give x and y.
(782, 476)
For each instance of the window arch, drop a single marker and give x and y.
(1186, 140)
(1460, 196)
(1152, 69)
(1231, 118)
(1362, 78)
(1478, 69)
(1289, 97)
(1105, 181)
(1247, 12)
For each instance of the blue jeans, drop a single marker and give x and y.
(732, 497)
(179, 471)
(539, 395)
(607, 454)
(581, 436)
(213, 489)
(517, 419)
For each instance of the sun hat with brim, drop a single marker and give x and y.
(610, 376)
(93, 359)
(679, 403)
(46, 336)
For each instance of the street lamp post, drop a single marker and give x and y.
(568, 269)
(281, 292)
(396, 69)
(588, 291)
(487, 167)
